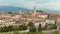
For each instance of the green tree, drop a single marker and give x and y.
(45, 27)
(10, 12)
(10, 28)
(30, 24)
(53, 26)
(40, 27)
(32, 29)
(5, 29)
(16, 29)
(22, 27)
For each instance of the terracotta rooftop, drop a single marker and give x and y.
(37, 21)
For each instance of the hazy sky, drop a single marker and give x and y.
(51, 4)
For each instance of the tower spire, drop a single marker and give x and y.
(34, 8)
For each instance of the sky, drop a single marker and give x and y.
(40, 4)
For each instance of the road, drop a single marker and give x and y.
(50, 31)
(46, 32)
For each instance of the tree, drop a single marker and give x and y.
(40, 11)
(10, 12)
(5, 29)
(45, 27)
(10, 28)
(40, 27)
(54, 26)
(33, 29)
(22, 27)
(30, 24)
(15, 29)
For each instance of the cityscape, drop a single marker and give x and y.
(29, 17)
(32, 21)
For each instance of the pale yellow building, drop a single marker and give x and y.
(57, 20)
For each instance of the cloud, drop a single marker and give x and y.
(50, 4)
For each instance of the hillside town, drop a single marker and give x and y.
(35, 16)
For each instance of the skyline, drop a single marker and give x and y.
(46, 5)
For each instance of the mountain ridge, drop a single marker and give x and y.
(11, 8)
(16, 9)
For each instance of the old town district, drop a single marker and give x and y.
(28, 20)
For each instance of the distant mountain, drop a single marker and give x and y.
(50, 10)
(15, 9)
(11, 8)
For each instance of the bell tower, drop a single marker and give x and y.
(34, 9)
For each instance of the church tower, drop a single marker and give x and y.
(34, 10)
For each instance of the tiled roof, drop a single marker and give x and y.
(37, 21)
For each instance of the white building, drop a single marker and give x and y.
(50, 21)
(43, 16)
(42, 22)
